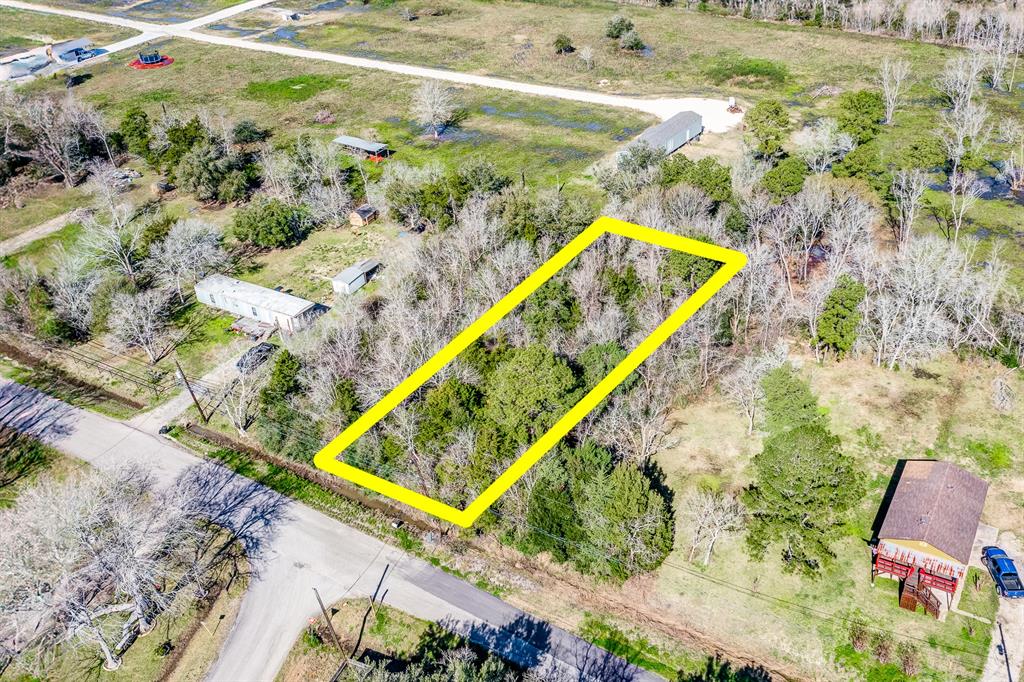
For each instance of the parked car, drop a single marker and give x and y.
(255, 356)
(1004, 572)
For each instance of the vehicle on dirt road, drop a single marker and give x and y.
(1004, 572)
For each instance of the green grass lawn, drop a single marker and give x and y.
(980, 596)
(42, 203)
(690, 52)
(881, 416)
(22, 29)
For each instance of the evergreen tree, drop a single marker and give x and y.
(627, 524)
(135, 132)
(769, 126)
(523, 409)
(804, 487)
(284, 378)
(448, 407)
(789, 402)
(861, 114)
(270, 223)
(837, 328)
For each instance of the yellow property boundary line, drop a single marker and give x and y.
(326, 459)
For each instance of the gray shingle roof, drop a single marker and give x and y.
(938, 503)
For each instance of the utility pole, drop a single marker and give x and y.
(202, 413)
(327, 619)
(1006, 654)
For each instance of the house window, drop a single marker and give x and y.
(254, 313)
(213, 300)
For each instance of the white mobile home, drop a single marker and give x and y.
(268, 306)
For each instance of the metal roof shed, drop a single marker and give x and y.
(672, 134)
(352, 279)
(269, 306)
(374, 148)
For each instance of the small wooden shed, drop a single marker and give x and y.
(352, 279)
(362, 216)
(927, 535)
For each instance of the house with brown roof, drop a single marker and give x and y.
(927, 534)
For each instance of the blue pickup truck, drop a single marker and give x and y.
(1004, 572)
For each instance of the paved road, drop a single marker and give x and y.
(714, 111)
(308, 549)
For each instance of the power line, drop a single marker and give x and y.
(387, 471)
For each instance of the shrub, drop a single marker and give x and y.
(910, 659)
(247, 132)
(270, 223)
(563, 44)
(860, 637)
(708, 175)
(786, 179)
(837, 328)
(883, 647)
(618, 26)
(631, 41)
(734, 67)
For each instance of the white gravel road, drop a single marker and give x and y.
(716, 117)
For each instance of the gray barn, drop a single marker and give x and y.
(672, 134)
(268, 306)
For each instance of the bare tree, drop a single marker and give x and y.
(113, 233)
(907, 189)
(100, 556)
(586, 55)
(242, 396)
(50, 130)
(823, 144)
(742, 386)
(1012, 132)
(72, 284)
(965, 131)
(142, 321)
(892, 76)
(964, 190)
(711, 516)
(434, 106)
(959, 79)
(1004, 398)
(190, 251)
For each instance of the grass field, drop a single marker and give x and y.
(689, 52)
(22, 30)
(545, 139)
(41, 203)
(881, 416)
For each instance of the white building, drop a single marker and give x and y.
(268, 306)
(351, 280)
